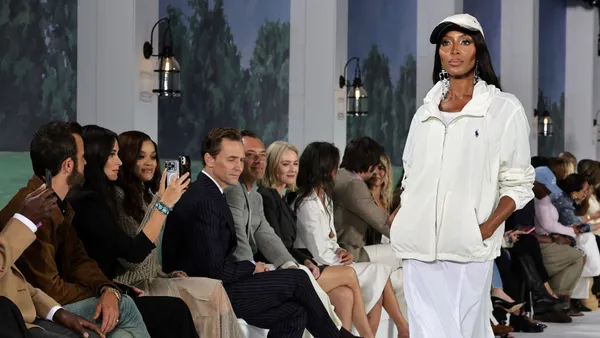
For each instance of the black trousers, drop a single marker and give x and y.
(12, 324)
(166, 317)
(510, 282)
(282, 301)
(528, 245)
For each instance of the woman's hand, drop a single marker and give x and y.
(313, 268)
(163, 183)
(176, 188)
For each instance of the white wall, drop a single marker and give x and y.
(581, 86)
(519, 56)
(318, 53)
(110, 64)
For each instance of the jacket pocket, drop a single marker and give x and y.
(459, 232)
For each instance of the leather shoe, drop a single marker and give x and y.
(346, 334)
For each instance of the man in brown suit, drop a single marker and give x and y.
(56, 262)
(42, 316)
(355, 210)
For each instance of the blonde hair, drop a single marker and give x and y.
(561, 168)
(274, 155)
(387, 191)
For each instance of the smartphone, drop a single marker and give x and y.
(181, 166)
(48, 179)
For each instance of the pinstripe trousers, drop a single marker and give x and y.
(282, 301)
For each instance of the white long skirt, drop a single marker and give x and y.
(448, 299)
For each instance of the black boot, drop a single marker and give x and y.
(543, 301)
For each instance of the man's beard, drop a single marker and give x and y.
(75, 180)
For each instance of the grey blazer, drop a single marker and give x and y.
(355, 211)
(253, 232)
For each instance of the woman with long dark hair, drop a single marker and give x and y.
(466, 169)
(95, 222)
(319, 163)
(138, 187)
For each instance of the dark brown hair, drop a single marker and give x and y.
(130, 146)
(212, 142)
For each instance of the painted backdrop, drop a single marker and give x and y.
(488, 13)
(38, 65)
(552, 54)
(234, 58)
(383, 34)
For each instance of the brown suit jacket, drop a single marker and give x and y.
(56, 262)
(32, 302)
(355, 211)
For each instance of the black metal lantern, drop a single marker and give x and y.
(356, 100)
(167, 67)
(545, 127)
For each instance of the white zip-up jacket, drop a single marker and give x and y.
(455, 175)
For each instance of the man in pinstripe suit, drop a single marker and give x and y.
(200, 239)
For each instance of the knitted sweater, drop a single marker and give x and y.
(150, 267)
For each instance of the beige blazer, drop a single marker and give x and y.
(32, 302)
(356, 211)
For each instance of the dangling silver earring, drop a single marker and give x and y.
(445, 78)
(476, 75)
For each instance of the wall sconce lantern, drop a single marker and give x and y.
(356, 100)
(545, 127)
(167, 68)
(597, 127)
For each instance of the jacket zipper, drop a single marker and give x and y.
(437, 194)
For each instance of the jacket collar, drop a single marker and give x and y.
(478, 106)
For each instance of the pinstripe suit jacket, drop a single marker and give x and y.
(200, 236)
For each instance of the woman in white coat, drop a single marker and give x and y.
(317, 236)
(466, 169)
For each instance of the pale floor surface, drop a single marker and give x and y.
(587, 326)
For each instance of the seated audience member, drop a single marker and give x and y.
(355, 208)
(380, 186)
(340, 282)
(96, 221)
(200, 239)
(591, 170)
(56, 262)
(561, 168)
(562, 260)
(574, 190)
(26, 311)
(316, 232)
(565, 155)
(139, 188)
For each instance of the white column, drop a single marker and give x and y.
(318, 53)
(581, 86)
(112, 73)
(429, 14)
(519, 56)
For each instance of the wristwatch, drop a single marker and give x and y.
(116, 292)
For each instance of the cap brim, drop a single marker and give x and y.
(442, 28)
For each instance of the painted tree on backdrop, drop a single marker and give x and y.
(268, 88)
(390, 111)
(37, 66)
(217, 91)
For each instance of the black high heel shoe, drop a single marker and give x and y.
(522, 324)
(506, 306)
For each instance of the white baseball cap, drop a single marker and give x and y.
(465, 21)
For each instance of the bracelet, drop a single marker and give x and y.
(160, 206)
(113, 291)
